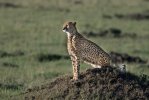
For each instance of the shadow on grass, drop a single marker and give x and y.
(7, 64)
(116, 58)
(111, 32)
(57, 9)
(132, 16)
(12, 54)
(123, 57)
(12, 86)
(51, 57)
(9, 5)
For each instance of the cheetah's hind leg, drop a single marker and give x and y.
(95, 66)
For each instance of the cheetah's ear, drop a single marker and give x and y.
(74, 23)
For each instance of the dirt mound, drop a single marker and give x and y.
(105, 83)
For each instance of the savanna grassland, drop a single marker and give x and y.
(33, 46)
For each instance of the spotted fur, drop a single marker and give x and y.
(82, 49)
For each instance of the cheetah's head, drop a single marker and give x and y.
(69, 28)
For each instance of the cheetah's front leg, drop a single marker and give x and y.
(76, 67)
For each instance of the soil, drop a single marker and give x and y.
(106, 83)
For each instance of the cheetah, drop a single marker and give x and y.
(82, 49)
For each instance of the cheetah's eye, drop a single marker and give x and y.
(65, 28)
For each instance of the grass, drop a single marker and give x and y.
(35, 28)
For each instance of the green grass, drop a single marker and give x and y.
(36, 27)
